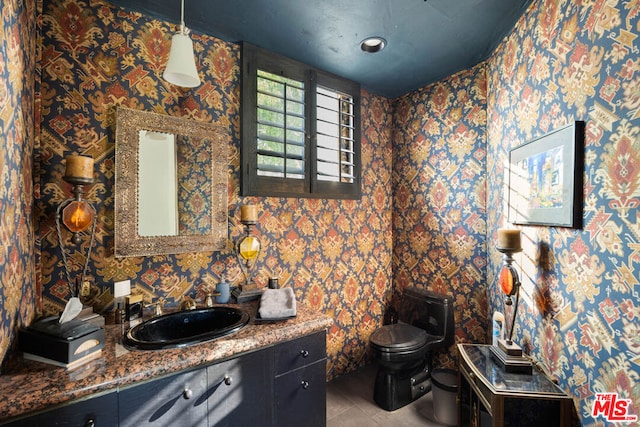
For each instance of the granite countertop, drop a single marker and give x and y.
(27, 386)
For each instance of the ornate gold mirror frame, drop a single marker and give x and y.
(128, 241)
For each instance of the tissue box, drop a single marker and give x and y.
(69, 344)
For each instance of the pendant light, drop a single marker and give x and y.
(181, 67)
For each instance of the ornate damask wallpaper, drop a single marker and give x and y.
(566, 61)
(335, 254)
(434, 185)
(17, 133)
(439, 203)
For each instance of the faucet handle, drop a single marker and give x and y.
(157, 307)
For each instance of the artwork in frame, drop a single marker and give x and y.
(545, 179)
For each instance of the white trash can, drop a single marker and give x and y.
(445, 391)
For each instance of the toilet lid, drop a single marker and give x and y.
(398, 337)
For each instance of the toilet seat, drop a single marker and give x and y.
(398, 338)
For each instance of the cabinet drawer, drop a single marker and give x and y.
(99, 412)
(301, 397)
(300, 352)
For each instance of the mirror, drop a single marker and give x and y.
(171, 185)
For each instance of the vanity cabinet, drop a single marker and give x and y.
(282, 385)
(101, 411)
(165, 402)
(490, 397)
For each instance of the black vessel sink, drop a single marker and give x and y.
(184, 328)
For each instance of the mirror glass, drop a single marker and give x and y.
(171, 185)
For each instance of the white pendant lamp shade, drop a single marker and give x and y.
(181, 68)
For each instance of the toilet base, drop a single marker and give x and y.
(395, 390)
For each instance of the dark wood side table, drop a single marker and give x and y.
(490, 397)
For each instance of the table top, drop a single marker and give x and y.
(479, 358)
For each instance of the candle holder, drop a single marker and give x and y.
(77, 215)
(248, 249)
(508, 353)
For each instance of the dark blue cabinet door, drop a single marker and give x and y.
(239, 391)
(171, 401)
(300, 396)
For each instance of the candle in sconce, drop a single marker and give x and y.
(509, 239)
(248, 213)
(79, 167)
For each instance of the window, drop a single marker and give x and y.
(300, 129)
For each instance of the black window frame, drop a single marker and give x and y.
(252, 184)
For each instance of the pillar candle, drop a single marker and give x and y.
(79, 167)
(249, 213)
(509, 239)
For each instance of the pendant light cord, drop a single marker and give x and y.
(183, 28)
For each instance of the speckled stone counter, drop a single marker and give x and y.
(27, 386)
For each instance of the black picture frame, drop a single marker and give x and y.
(545, 179)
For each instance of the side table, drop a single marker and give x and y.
(490, 397)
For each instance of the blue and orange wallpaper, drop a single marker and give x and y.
(18, 132)
(434, 187)
(335, 254)
(439, 198)
(567, 61)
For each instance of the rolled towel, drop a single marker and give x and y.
(277, 303)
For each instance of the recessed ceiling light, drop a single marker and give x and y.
(373, 44)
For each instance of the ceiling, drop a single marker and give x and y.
(426, 39)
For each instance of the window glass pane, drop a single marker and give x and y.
(270, 102)
(295, 123)
(264, 145)
(270, 164)
(295, 151)
(270, 132)
(295, 108)
(294, 136)
(295, 168)
(265, 116)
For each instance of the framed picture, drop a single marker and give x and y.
(545, 179)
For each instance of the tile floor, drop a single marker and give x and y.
(350, 404)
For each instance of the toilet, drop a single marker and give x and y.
(403, 350)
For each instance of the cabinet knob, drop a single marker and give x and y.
(90, 423)
(187, 393)
(304, 353)
(228, 380)
(304, 384)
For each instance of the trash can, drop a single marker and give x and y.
(445, 391)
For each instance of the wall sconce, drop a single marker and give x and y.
(248, 249)
(181, 68)
(508, 353)
(76, 214)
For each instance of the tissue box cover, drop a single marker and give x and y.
(60, 344)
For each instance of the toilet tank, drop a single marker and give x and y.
(430, 311)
